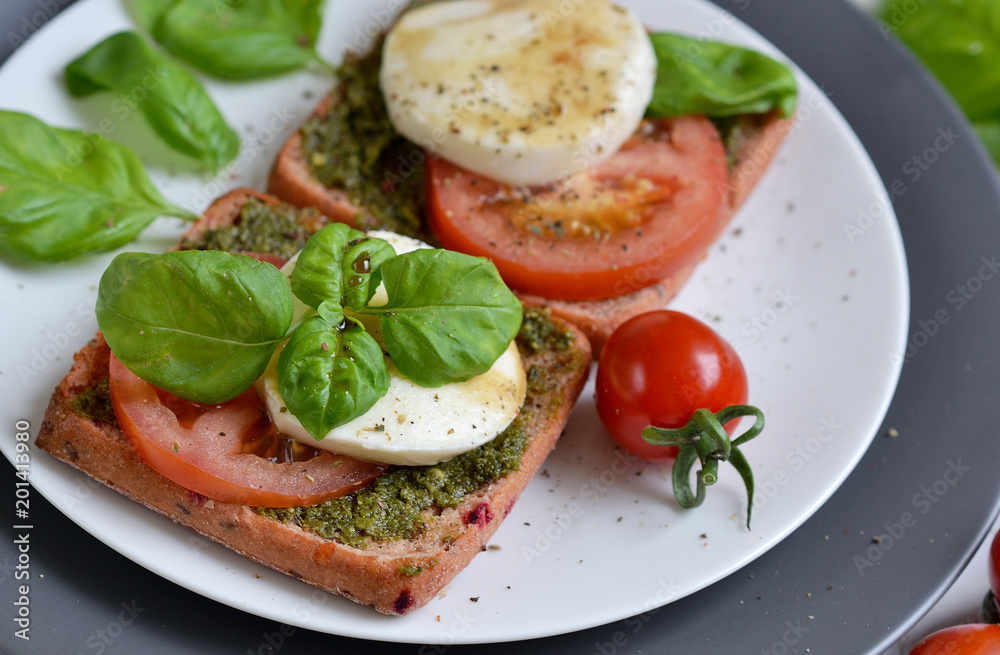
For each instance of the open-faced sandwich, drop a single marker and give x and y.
(592, 162)
(384, 504)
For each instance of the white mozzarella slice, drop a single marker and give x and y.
(413, 425)
(521, 91)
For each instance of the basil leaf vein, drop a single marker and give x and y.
(174, 103)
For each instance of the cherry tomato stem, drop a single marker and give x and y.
(681, 479)
(704, 438)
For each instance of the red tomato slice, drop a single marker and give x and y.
(651, 209)
(204, 448)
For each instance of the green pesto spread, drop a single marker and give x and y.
(354, 147)
(538, 381)
(95, 403)
(390, 507)
(731, 134)
(539, 334)
(261, 228)
(410, 571)
(413, 570)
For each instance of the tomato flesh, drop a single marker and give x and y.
(657, 369)
(215, 450)
(651, 209)
(971, 639)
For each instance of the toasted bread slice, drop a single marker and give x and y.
(754, 141)
(396, 576)
(291, 180)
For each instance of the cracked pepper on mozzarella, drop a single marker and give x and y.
(521, 91)
(413, 425)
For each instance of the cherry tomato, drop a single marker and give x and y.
(972, 639)
(994, 566)
(648, 211)
(215, 450)
(991, 603)
(657, 369)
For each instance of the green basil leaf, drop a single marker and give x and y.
(361, 268)
(329, 375)
(64, 193)
(200, 324)
(337, 268)
(241, 39)
(959, 41)
(448, 318)
(173, 102)
(146, 13)
(717, 79)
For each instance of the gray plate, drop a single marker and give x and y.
(929, 494)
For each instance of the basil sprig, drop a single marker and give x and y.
(65, 192)
(173, 102)
(236, 40)
(203, 325)
(339, 267)
(716, 79)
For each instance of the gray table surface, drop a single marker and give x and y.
(805, 595)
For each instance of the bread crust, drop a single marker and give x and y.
(759, 137)
(375, 575)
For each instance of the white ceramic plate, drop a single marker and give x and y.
(809, 283)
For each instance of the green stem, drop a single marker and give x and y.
(709, 425)
(741, 464)
(705, 438)
(682, 478)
